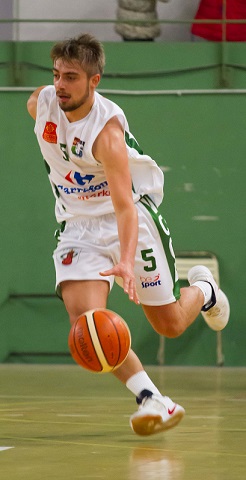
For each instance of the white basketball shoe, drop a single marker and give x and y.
(156, 414)
(216, 313)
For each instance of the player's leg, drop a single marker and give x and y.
(169, 310)
(173, 319)
(156, 413)
(203, 296)
(82, 295)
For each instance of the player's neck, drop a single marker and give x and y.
(80, 112)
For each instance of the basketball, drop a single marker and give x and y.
(99, 340)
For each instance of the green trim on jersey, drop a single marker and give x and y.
(165, 236)
(132, 143)
(56, 191)
(47, 167)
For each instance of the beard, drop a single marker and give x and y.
(75, 105)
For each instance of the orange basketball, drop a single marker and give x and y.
(99, 340)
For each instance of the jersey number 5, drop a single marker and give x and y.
(147, 257)
(63, 147)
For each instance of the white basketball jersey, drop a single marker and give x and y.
(77, 179)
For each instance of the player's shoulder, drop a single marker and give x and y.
(48, 92)
(107, 105)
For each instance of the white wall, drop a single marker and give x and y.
(94, 9)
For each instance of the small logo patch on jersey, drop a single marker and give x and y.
(49, 133)
(77, 147)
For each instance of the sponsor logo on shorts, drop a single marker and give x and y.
(68, 256)
(148, 282)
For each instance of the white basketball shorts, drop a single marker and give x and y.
(87, 246)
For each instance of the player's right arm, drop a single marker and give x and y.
(32, 102)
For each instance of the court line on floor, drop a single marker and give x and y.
(92, 424)
(124, 447)
(65, 397)
(59, 399)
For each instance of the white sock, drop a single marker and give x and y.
(141, 381)
(205, 288)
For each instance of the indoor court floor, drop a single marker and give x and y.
(61, 422)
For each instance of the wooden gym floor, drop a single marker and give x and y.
(64, 423)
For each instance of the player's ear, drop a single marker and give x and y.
(95, 79)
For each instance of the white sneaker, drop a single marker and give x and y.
(216, 313)
(156, 414)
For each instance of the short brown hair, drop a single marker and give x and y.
(85, 49)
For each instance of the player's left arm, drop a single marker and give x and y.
(110, 149)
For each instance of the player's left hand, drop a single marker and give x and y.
(129, 282)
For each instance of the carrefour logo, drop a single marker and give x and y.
(90, 189)
(77, 178)
(148, 282)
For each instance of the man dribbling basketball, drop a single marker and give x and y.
(107, 196)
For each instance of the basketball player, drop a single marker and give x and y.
(107, 196)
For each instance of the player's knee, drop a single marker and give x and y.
(168, 325)
(170, 329)
(73, 314)
(166, 321)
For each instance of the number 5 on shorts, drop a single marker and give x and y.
(147, 257)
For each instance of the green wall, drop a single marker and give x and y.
(200, 140)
